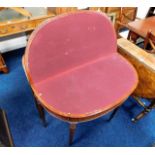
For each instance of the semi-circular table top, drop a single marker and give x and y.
(73, 66)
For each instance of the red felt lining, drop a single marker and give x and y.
(89, 88)
(70, 41)
(74, 67)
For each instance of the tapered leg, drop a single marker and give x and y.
(41, 112)
(144, 112)
(72, 128)
(132, 37)
(113, 114)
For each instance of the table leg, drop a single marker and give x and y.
(144, 112)
(5, 134)
(41, 112)
(72, 129)
(113, 114)
(3, 66)
(132, 37)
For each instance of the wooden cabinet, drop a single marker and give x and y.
(125, 14)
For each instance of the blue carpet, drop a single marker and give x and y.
(27, 130)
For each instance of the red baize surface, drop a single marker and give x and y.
(74, 66)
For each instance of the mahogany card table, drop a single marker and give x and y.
(74, 69)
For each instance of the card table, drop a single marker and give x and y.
(74, 69)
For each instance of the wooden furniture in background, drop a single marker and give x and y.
(140, 28)
(23, 21)
(145, 65)
(123, 15)
(150, 41)
(78, 90)
(5, 134)
(126, 15)
(62, 10)
(100, 9)
(19, 10)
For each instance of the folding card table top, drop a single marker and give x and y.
(74, 69)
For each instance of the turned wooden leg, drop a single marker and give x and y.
(144, 112)
(41, 112)
(72, 128)
(113, 114)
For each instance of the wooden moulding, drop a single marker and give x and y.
(144, 63)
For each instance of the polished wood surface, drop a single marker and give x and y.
(19, 26)
(144, 63)
(62, 10)
(22, 11)
(148, 60)
(141, 27)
